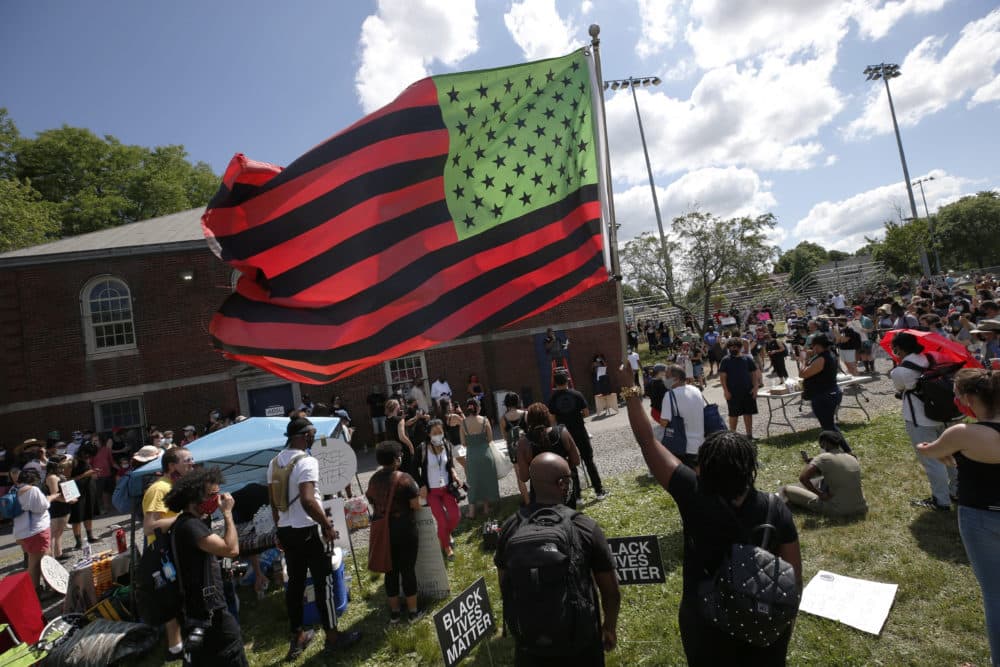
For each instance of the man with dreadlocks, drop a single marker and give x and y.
(718, 506)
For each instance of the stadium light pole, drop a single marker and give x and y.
(886, 71)
(930, 222)
(632, 83)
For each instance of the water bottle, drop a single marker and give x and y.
(167, 568)
(86, 550)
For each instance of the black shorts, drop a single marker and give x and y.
(742, 404)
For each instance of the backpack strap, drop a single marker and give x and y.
(674, 410)
(391, 494)
(175, 554)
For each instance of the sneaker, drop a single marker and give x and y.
(394, 617)
(931, 504)
(603, 494)
(299, 644)
(415, 616)
(343, 641)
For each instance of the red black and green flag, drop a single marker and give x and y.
(467, 204)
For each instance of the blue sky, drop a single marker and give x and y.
(759, 110)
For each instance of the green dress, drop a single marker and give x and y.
(480, 471)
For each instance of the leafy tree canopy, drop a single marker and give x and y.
(89, 183)
(967, 230)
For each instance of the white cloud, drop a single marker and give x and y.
(830, 161)
(842, 225)
(930, 82)
(727, 193)
(988, 93)
(681, 70)
(539, 31)
(659, 27)
(875, 22)
(586, 6)
(403, 38)
(723, 31)
(764, 117)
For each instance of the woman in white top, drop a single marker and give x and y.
(438, 484)
(31, 526)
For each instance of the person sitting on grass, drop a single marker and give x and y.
(830, 483)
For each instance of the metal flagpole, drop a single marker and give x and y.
(616, 272)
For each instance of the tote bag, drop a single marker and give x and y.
(501, 461)
(713, 420)
(379, 554)
(674, 435)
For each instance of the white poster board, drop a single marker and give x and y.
(55, 575)
(334, 508)
(69, 490)
(337, 464)
(858, 603)
(432, 577)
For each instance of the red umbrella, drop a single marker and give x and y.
(944, 351)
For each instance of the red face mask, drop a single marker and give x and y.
(210, 504)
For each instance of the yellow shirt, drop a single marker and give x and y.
(152, 500)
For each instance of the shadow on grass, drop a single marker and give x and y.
(812, 521)
(937, 534)
(810, 436)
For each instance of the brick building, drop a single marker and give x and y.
(111, 329)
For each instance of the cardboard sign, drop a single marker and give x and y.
(432, 577)
(637, 559)
(334, 508)
(464, 622)
(69, 490)
(337, 464)
(859, 603)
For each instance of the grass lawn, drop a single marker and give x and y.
(937, 618)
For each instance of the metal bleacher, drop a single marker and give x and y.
(852, 276)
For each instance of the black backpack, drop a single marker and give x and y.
(936, 388)
(753, 596)
(548, 598)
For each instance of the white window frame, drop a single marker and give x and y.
(396, 377)
(90, 335)
(99, 418)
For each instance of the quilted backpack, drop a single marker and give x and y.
(753, 596)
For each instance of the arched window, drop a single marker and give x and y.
(107, 315)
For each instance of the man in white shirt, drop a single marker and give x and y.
(633, 362)
(304, 533)
(943, 479)
(440, 389)
(689, 405)
(839, 302)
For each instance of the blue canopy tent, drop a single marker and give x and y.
(244, 450)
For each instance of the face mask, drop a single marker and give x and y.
(210, 505)
(167, 441)
(437, 440)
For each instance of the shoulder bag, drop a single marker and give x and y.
(674, 434)
(379, 554)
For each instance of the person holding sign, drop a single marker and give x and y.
(306, 536)
(549, 558)
(58, 510)
(719, 506)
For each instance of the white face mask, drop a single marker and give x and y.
(437, 440)
(166, 441)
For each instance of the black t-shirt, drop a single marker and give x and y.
(710, 528)
(593, 543)
(568, 405)
(200, 597)
(406, 490)
(826, 379)
(376, 404)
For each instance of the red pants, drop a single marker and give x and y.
(444, 507)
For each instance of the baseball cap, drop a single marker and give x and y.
(191, 428)
(298, 426)
(659, 368)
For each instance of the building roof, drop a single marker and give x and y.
(168, 233)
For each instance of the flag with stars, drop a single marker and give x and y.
(469, 203)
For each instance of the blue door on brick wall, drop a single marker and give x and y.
(274, 401)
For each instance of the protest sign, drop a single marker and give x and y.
(334, 508)
(637, 559)
(337, 464)
(69, 490)
(432, 577)
(858, 603)
(464, 622)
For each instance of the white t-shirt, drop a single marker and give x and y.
(633, 360)
(905, 379)
(35, 517)
(306, 470)
(439, 389)
(437, 468)
(417, 394)
(838, 301)
(691, 407)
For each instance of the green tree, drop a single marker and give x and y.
(967, 230)
(25, 219)
(100, 182)
(837, 255)
(706, 251)
(899, 250)
(9, 136)
(801, 261)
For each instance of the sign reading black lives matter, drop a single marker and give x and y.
(464, 622)
(637, 559)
